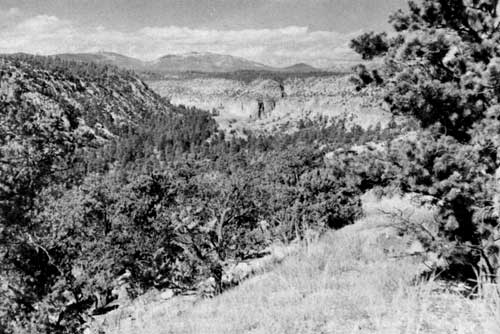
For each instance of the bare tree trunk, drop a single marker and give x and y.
(489, 264)
(495, 247)
(496, 199)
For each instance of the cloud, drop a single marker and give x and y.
(9, 12)
(44, 34)
(7, 16)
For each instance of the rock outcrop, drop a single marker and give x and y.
(264, 104)
(103, 99)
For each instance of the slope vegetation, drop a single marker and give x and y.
(361, 279)
(101, 97)
(106, 58)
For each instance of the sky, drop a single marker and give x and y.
(274, 32)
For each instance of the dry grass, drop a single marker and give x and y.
(347, 282)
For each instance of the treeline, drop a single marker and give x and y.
(194, 135)
(246, 76)
(60, 66)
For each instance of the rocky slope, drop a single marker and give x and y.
(266, 104)
(108, 58)
(103, 99)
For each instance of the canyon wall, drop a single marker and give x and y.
(265, 104)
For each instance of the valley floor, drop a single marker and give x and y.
(350, 281)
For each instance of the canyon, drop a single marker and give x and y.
(283, 104)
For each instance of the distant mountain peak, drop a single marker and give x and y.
(300, 67)
(194, 61)
(204, 62)
(199, 53)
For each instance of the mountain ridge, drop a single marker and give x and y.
(301, 67)
(108, 58)
(206, 62)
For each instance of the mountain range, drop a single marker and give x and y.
(190, 62)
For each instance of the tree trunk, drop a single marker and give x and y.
(494, 247)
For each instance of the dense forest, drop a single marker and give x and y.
(102, 179)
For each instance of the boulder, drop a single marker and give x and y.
(241, 271)
(416, 248)
(167, 294)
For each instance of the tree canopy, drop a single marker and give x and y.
(442, 68)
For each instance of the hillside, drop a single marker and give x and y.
(169, 203)
(108, 58)
(105, 99)
(105, 181)
(203, 62)
(300, 68)
(361, 279)
(206, 193)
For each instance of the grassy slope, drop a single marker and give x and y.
(350, 281)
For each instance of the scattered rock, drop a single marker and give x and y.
(69, 298)
(167, 294)
(416, 248)
(241, 271)
(434, 260)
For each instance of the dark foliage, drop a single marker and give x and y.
(246, 76)
(442, 70)
(370, 45)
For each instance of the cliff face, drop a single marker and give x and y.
(269, 104)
